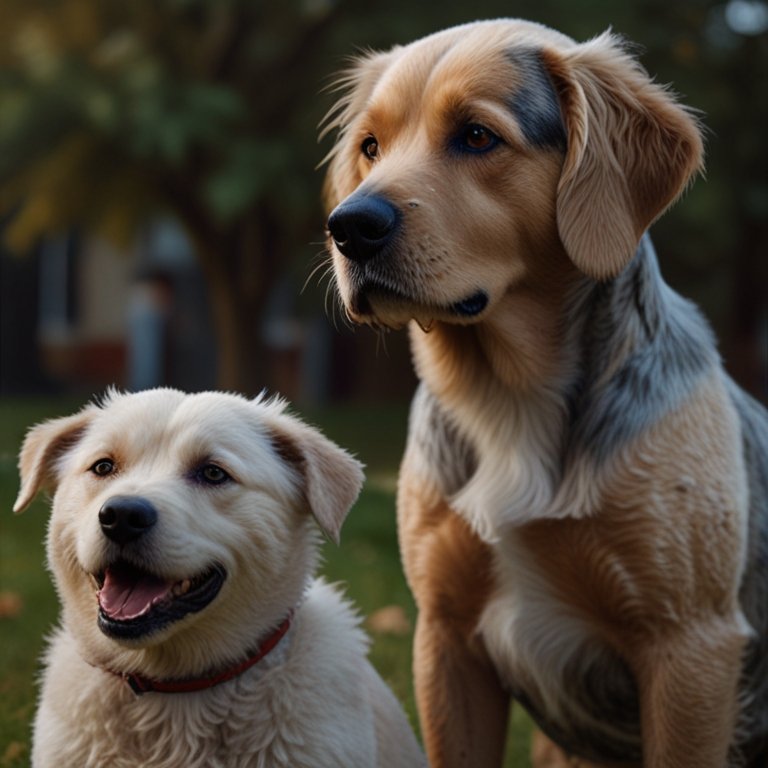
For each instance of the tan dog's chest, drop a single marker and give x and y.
(549, 635)
(576, 597)
(563, 585)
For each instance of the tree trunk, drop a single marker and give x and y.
(239, 268)
(239, 353)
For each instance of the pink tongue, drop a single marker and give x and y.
(128, 592)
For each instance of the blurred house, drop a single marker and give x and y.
(79, 315)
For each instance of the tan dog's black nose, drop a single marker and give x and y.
(125, 518)
(362, 225)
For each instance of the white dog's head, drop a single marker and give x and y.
(181, 527)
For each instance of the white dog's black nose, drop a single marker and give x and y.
(125, 518)
(362, 225)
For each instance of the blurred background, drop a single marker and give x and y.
(160, 196)
(161, 224)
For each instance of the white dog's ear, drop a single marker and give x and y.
(332, 478)
(43, 446)
(631, 151)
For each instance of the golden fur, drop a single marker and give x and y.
(581, 481)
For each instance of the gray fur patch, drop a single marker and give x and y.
(671, 350)
(448, 454)
(605, 692)
(535, 104)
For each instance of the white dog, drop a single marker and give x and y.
(192, 633)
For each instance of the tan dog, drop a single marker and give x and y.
(582, 502)
(192, 633)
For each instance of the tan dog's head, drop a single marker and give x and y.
(181, 527)
(473, 158)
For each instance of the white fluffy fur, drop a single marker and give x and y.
(314, 701)
(518, 476)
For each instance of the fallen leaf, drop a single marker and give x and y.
(13, 752)
(10, 605)
(390, 620)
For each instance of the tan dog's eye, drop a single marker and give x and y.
(103, 467)
(370, 147)
(477, 138)
(212, 474)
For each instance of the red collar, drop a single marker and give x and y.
(140, 684)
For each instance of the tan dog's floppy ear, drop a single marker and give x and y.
(43, 447)
(631, 151)
(332, 478)
(356, 85)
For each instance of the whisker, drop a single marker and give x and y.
(326, 263)
(381, 341)
(333, 311)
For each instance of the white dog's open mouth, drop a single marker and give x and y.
(134, 602)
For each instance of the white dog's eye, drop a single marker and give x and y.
(212, 474)
(370, 147)
(103, 467)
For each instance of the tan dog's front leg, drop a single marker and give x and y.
(463, 708)
(688, 696)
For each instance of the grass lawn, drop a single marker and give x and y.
(367, 563)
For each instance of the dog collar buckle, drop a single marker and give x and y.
(139, 685)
